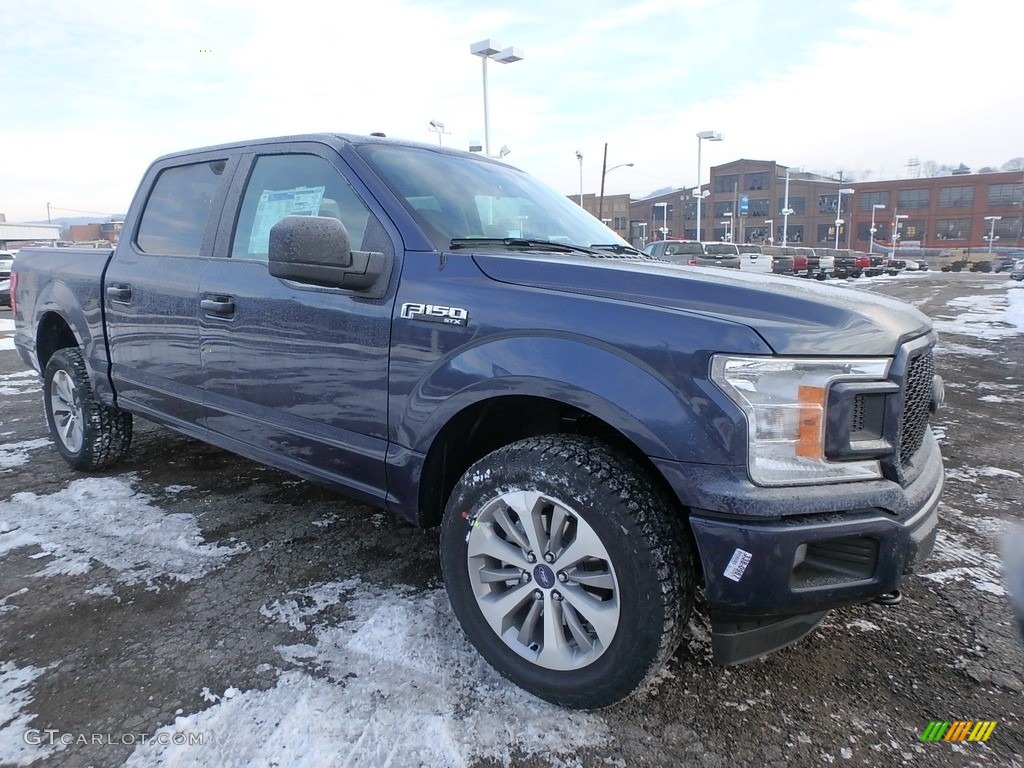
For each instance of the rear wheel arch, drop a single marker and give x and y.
(53, 333)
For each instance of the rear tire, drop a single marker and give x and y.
(565, 567)
(87, 433)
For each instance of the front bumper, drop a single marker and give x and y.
(774, 569)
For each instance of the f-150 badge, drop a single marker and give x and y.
(435, 313)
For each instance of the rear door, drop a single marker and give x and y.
(151, 289)
(295, 374)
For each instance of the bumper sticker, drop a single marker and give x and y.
(737, 565)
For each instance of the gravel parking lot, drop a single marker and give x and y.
(195, 608)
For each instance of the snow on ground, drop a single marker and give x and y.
(986, 316)
(19, 383)
(7, 325)
(16, 454)
(14, 721)
(6, 342)
(394, 684)
(107, 520)
(956, 558)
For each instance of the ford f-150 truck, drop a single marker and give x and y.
(597, 433)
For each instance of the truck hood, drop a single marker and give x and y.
(793, 316)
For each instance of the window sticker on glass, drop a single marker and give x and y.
(274, 205)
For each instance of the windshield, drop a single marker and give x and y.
(456, 197)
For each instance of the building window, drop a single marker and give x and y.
(658, 212)
(868, 200)
(757, 180)
(1004, 194)
(913, 230)
(827, 233)
(828, 203)
(797, 204)
(758, 207)
(690, 210)
(720, 233)
(723, 207)
(794, 234)
(914, 198)
(1008, 228)
(953, 229)
(727, 182)
(956, 197)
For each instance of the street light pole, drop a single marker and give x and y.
(579, 156)
(491, 49)
(991, 230)
(605, 170)
(728, 220)
(771, 230)
(786, 211)
(664, 226)
(710, 136)
(839, 211)
(871, 238)
(896, 219)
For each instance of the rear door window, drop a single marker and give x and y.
(179, 208)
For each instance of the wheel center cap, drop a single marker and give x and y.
(544, 576)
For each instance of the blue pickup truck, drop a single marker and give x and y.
(597, 433)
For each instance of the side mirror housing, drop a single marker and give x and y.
(316, 250)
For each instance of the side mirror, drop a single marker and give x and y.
(316, 250)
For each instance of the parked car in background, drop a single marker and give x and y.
(719, 255)
(754, 259)
(820, 262)
(676, 251)
(6, 262)
(922, 265)
(876, 265)
(1017, 273)
(1004, 262)
(5, 291)
(788, 261)
(850, 263)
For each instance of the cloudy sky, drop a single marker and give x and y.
(93, 90)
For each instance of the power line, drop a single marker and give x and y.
(75, 210)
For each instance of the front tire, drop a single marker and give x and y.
(564, 566)
(87, 433)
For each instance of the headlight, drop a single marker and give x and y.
(784, 400)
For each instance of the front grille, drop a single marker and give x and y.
(917, 397)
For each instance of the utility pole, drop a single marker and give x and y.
(604, 170)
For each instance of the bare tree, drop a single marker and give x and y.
(1013, 164)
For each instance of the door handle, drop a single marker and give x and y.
(120, 292)
(222, 306)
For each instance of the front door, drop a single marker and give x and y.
(296, 375)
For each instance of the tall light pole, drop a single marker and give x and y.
(991, 230)
(605, 170)
(896, 219)
(491, 49)
(786, 211)
(839, 212)
(871, 243)
(579, 156)
(710, 136)
(728, 220)
(771, 230)
(438, 128)
(664, 226)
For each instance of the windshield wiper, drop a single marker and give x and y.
(519, 242)
(618, 248)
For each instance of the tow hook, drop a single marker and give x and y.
(889, 598)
